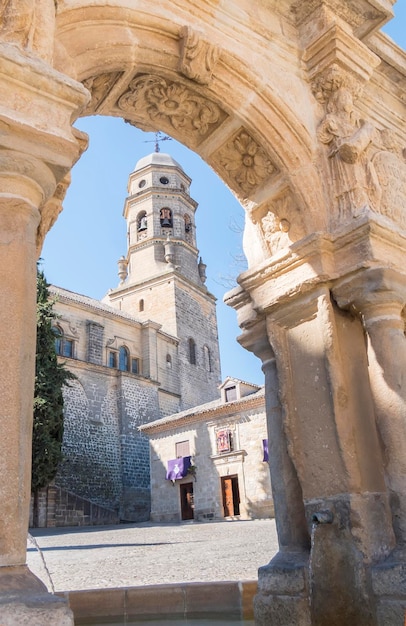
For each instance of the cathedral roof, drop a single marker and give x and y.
(157, 158)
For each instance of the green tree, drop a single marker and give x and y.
(50, 377)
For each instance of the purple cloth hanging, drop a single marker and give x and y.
(265, 447)
(177, 468)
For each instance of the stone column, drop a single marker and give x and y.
(286, 574)
(38, 147)
(379, 296)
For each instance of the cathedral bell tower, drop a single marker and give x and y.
(162, 277)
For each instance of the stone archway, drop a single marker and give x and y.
(269, 94)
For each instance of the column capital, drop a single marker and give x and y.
(373, 293)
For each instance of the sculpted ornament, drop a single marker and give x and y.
(171, 104)
(390, 168)
(282, 225)
(245, 162)
(51, 210)
(198, 57)
(99, 86)
(29, 24)
(348, 138)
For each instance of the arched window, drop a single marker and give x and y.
(142, 223)
(207, 358)
(192, 351)
(165, 216)
(188, 223)
(168, 361)
(123, 359)
(63, 346)
(141, 305)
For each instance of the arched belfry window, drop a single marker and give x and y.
(141, 305)
(188, 223)
(165, 216)
(168, 361)
(142, 223)
(192, 351)
(123, 359)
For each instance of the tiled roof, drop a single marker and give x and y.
(91, 303)
(215, 406)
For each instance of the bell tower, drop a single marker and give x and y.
(162, 278)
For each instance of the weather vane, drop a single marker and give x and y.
(159, 137)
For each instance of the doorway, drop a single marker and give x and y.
(186, 501)
(231, 495)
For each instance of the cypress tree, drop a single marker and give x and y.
(50, 376)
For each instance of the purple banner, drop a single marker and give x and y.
(265, 447)
(177, 468)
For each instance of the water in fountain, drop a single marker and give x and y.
(34, 542)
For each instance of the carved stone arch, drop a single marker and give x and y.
(199, 91)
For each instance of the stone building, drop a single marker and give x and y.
(148, 350)
(217, 450)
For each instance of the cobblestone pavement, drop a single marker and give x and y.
(150, 554)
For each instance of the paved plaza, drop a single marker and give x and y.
(149, 554)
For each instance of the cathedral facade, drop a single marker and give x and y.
(149, 349)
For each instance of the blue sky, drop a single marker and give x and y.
(81, 251)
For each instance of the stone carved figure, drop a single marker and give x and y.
(172, 104)
(348, 138)
(389, 165)
(99, 86)
(198, 57)
(282, 225)
(29, 24)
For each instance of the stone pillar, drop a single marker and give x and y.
(379, 296)
(38, 148)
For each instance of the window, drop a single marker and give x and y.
(165, 216)
(164, 180)
(142, 183)
(63, 346)
(135, 366)
(182, 448)
(141, 305)
(112, 359)
(224, 441)
(207, 358)
(192, 352)
(168, 361)
(188, 223)
(142, 223)
(231, 394)
(123, 360)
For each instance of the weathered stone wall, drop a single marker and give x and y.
(196, 319)
(245, 461)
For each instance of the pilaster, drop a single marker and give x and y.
(37, 149)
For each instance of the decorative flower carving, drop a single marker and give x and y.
(167, 102)
(246, 161)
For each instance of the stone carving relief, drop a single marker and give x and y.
(348, 138)
(282, 224)
(245, 163)
(197, 57)
(99, 86)
(389, 164)
(29, 24)
(355, 12)
(171, 105)
(51, 210)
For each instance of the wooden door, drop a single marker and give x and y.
(231, 495)
(186, 501)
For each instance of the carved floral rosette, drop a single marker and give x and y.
(245, 163)
(172, 106)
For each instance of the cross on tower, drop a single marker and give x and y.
(159, 137)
